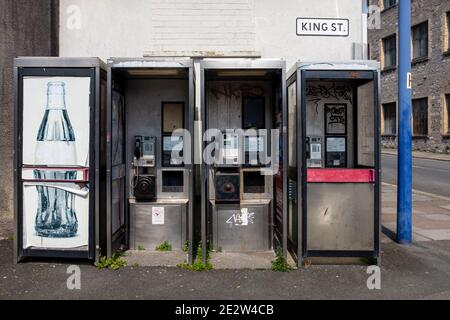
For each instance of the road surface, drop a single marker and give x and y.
(430, 176)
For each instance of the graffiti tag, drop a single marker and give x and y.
(242, 218)
(338, 92)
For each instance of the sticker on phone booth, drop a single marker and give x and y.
(158, 215)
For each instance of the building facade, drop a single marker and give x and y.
(137, 28)
(214, 28)
(430, 55)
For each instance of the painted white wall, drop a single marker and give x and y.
(276, 30)
(117, 28)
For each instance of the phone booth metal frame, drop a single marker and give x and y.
(243, 65)
(298, 76)
(121, 238)
(59, 67)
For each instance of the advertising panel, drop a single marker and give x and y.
(55, 171)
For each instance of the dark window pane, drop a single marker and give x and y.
(253, 113)
(390, 51)
(389, 3)
(447, 97)
(390, 119)
(448, 30)
(420, 117)
(420, 40)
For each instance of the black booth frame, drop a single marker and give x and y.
(242, 64)
(300, 76)
(121, 237)
(59, 67)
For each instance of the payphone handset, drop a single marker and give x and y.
(314, 152)
(144, 151)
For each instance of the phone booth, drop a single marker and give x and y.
(149, 183)
(243, 183)
(334, 160)
(58, 110)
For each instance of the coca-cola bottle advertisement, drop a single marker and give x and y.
(56, 162)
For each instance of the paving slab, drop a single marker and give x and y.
(389, 210)
(438, 217)
(242, 260)
(428, 224)
(431, 217)
(435, 234)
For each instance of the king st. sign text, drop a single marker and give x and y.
(323, 27)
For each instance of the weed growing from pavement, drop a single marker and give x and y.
(369, 261)
(185, 247)
(198, 265)
(114, 263)
(280, 264)
(141, 247)
(165, 246)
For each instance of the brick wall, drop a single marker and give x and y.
(192, 25)
(431, 77)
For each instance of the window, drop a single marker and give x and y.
(420, 40)
(390, 51)
(172, 143)
(447, 114)
(253, 113)
(390, 119)
(447, 32)
(420, 117)
(389, 4)
(173, 116)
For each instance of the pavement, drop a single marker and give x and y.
(431, 195)
(431, 215)
(420, 271)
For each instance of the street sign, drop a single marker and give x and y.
(323, 27)
(409, 81)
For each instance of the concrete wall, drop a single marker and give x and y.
(26, 28)
(431, 77)
(108, 28)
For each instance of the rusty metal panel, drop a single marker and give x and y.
(340, 217)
